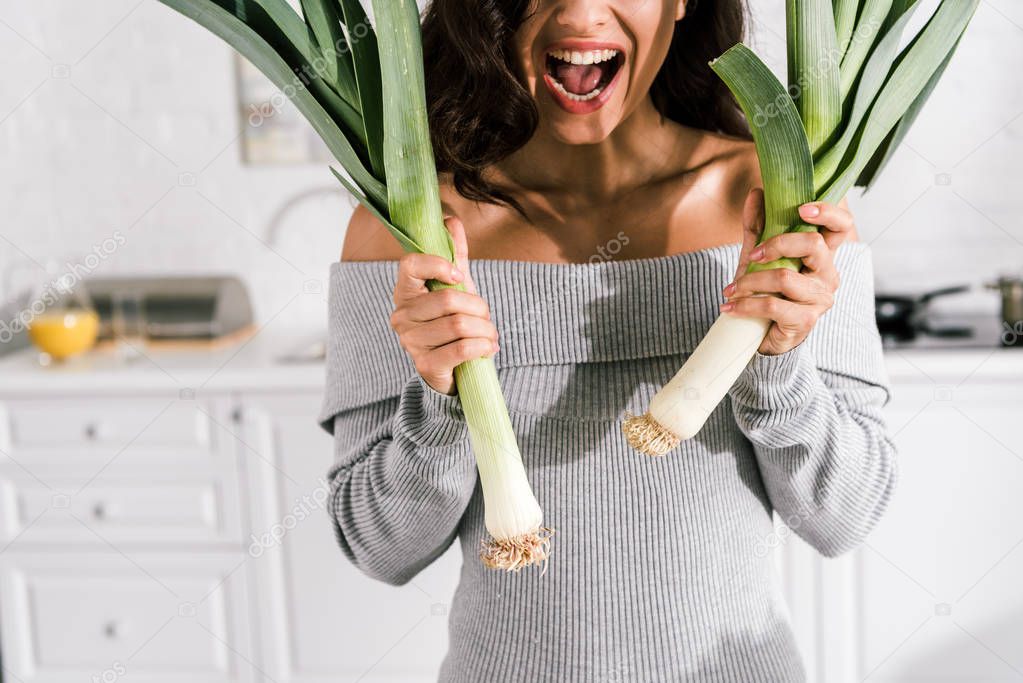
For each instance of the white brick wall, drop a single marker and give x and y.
(103, 107)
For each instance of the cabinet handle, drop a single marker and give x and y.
(92, 431)
(112, 630)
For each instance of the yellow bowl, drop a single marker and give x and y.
(64, 333)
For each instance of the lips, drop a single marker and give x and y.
(581, 75)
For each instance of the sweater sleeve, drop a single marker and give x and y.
(402, 478)
(815, 418)
(403, 471)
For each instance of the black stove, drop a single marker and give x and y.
(949, 331)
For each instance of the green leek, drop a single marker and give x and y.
(887, 90)
(362, 89)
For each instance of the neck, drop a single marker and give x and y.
(637, 151)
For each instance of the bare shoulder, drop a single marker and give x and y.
(739, 172)
(715, 183)
(368, 240)
(739, 167)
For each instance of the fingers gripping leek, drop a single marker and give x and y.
(362, 89)
(885, 90)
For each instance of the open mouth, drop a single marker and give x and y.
(582, 75)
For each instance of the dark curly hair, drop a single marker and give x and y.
(480, 112)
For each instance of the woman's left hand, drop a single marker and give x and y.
(801, 298)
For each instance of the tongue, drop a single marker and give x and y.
(579, 79)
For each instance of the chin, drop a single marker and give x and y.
(575, 135)
(575, 130)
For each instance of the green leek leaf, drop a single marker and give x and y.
(786, 166)
(284, 19)
(910, 76)
(813, 68)
(899, 7)
(291, 39)
(366, 60)
(413, 194)
(404, 240)
(322, 19)
(845, 21)
(892, 142)
(246, 41)
(302, 35)
(875, 72)
(872, 18)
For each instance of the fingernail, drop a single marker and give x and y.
(496, 347)
(727, 306)
(456, 274)
(757, 254)
(810, 210)
(729, 289)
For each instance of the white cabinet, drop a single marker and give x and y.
(157, 618)
(941, 577)
(321, 619)
(103, 427)
(73, 504)
(157, 420)
(166, 535)
(935, 592)
(121, 536)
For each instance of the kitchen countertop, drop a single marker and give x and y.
(256, 365)
(253, 364)
(955, 366)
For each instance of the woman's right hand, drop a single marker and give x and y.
(445, 328)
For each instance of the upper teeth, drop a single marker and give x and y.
(588, 57)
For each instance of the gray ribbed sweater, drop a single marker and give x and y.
(659, 570)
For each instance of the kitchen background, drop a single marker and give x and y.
(122, 118)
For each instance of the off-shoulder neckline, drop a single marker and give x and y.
(558, 313)
(603, 263)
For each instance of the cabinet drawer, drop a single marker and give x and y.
(163, 507)
(79, 617)
(109, 423)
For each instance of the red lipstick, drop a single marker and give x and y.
(572, 104)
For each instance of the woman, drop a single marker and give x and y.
(610, 209)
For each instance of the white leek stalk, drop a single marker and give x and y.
(694, 392)
(884, 90)
(511, 514)
(363, 92)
